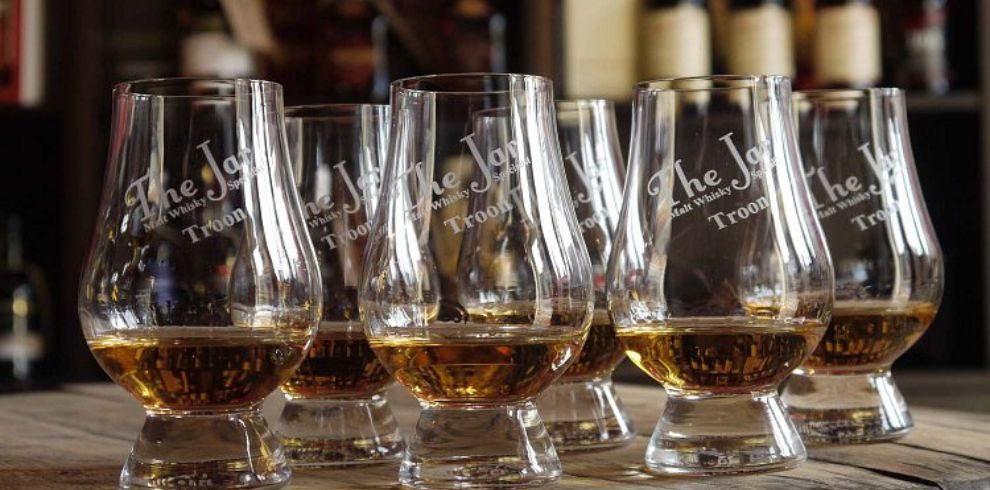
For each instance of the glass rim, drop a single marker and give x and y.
(845, 93)
(578, 103)
(331, 111)
(407, 85)
(747, 82)
(145, 88)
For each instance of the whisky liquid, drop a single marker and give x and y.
(201, 368)
(868, 335)
(724, 355)
(339, 364)
(601, 352)
(478, 368)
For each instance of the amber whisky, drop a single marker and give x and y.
(340, 364)
(477, 368)
(201, 368)
(721, 355)
(599, 355)
(868, 335)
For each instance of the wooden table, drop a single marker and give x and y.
(79, 436)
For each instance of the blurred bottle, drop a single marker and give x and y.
(804, 42)
(599, 48)
(26, 345)
(478, 36)
(924, 26)
(206, 48)
(847, 50)
(760, 38)
(345, 61)
(676, 39)
(719, 12)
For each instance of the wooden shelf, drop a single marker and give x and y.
(953, 102)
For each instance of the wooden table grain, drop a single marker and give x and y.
(78, 437)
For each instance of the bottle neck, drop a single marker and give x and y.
(11, 244)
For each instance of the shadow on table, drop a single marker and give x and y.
(378, 477)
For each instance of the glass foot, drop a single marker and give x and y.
(584, 415)
(479, 447)
(848, 408)
(339, 432)
(229, 450)
(724, 434)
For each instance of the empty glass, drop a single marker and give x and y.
(336, 412)
(719, 284)
(201, 291)
(477, 288)
(888, 265)
(581, 410)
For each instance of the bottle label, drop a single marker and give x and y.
(599, 48)
(847, 46)
(761, 42)
(676, 42)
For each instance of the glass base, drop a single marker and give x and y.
(584, 415)
(717, 435)
(847, 408)
(317, 433)
(222, 450)
(479, 447)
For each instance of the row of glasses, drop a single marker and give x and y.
(477, 247)
(336, 412)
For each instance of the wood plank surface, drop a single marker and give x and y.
(78, 437)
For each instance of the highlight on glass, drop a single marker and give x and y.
(201, 291)
(581, 410)
(888, 264)
(720, 283)
(477, 290)
(336, 412)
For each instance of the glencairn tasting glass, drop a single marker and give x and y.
(336, 412)
(201, 292)
(581, 410)
(477, 289)
(888, 265)
(720, 283)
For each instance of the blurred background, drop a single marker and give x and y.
(60, 60)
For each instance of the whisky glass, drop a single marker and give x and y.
(720, 283)
(888, 265)
(477, 288)
(201, 291)
(336, 412)
(581, 410)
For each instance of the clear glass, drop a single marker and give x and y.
(581, 410)
(888, 265)
(477, 292)
(720, 283)
(201, 291)
(336, 412)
